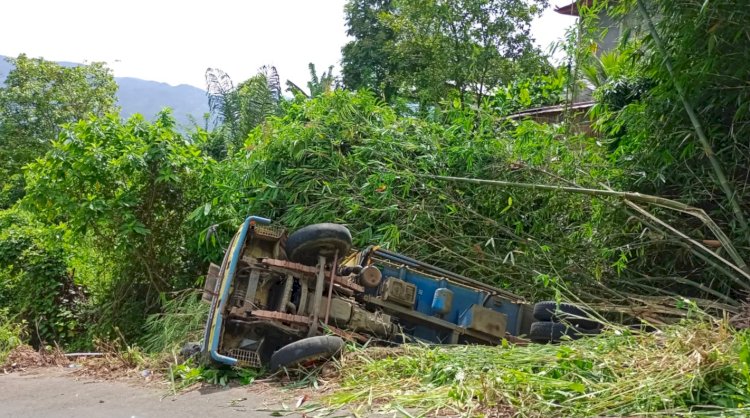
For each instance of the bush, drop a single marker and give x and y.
(182, 320)
(12, 333)
(35, 283)
(345, 157)
(123, 190)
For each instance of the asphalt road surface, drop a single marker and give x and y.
(56, 393)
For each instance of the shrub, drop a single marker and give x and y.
(35, 283)
(123, 189)
(12, 333)
(345, 157)
(182, 320)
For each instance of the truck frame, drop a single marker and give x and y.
(274, 295)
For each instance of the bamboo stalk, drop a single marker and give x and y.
(638, 197)
(696, 244)
(723, 239)
(738, 265)
(698, 127)
(703, 216)
(706, 259)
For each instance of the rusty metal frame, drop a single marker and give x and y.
(280, 316)
(297, 269)
(317, 298)
(330, 285)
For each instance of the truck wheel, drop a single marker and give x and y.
(544, 332)
(305, 244)
(551, 311)
(306, 349)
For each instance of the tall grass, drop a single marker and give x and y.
(182, 319)
(696, 367)
(11, 334)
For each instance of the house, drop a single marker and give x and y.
(581, 100)
(610, 28)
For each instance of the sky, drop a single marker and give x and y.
(174, 41)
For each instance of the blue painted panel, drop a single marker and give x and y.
(463, 299)
(442, 303)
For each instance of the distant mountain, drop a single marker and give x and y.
(149, 97)
(4, 69)
(146, 97)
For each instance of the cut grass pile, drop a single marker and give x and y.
(700, 367)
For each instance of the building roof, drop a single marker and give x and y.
(572, 8)
(552, 110)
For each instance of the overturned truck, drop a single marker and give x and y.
(279, 301)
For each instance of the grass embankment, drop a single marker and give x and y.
(700, 367)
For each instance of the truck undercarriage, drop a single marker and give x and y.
(274, 295)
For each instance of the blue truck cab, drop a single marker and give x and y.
(274, 291)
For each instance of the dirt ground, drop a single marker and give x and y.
(59, 392)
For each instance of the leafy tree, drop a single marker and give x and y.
(439, 49)
(38, 97)
(125, 189)
(368, 61)
(241, 108)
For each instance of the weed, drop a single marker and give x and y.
(684, 369)
(185, 375)
(12, 334)
(182, 320)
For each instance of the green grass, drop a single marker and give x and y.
(11, 334)
(185, 375)
(182, 320)
(700, 367)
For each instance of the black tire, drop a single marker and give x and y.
(545, 332)
(551, 311)
(306, 349)
(304, 245)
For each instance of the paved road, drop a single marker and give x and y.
(55, 393)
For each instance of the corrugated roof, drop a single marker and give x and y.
(551, 109)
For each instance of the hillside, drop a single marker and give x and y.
(148, 97)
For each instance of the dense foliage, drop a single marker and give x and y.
(112, 222)
(37, 98)
(35, 283)
(530, 92)
(433, 50)
(690, 61)
(124, 189)
(348, 158)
